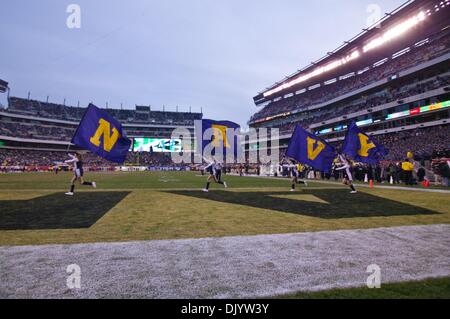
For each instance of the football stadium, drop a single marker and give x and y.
(337, 185)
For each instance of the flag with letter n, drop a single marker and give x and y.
(102, 134)
(361, 147)
(311, 150)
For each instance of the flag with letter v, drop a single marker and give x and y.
(309, 149)
(102, 134)
(361, 147)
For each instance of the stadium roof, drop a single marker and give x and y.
(422, 17)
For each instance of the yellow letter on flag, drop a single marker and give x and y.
(365, 147)
(314, 152)
(104, 129)
(220, 134)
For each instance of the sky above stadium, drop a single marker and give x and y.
(214, 55)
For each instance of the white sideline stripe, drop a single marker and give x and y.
(227, 267)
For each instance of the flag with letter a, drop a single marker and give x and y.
(361, 147)
(311, 150)
(102, 134)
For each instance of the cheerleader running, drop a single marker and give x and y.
(346, 165)
(78, 173)
(294, 172)
(214, 170)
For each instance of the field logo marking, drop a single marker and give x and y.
(74, 19)
(374, 279)
(74, 279)
(104, 129)
(365, 145)
(302, 197)
(314, 152)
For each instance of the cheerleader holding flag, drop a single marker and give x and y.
(295, 173)
(360, 146)
(311, 150)
(345, 164)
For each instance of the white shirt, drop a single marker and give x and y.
(73, 160)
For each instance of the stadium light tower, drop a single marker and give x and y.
(395, 31)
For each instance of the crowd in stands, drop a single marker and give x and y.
(425, 143)
(36, 131)
(63, 132)
(24, 158)
(69, 113)
(30, 158)
(368, 102)
(328, 92)
(33, 129)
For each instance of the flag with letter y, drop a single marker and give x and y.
(102, 134)
(311, 150)
(361, 147)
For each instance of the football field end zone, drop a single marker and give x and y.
(169, 220)
(227, 267)
(358, 184)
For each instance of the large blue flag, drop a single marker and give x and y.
(309, 149)
(218, 138)
(361, 147)
(102, 134)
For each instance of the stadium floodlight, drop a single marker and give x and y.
(395, 31)
(389, 35)
(318, 71)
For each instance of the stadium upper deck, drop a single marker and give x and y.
(141, 115)
(41, 125)
(412, 38)
(396, 84)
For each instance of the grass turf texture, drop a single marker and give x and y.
(438, 288)
(169, 205)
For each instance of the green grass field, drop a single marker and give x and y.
(425, 289)
(170, 205)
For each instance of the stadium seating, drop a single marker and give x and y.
(34, 159)
(325, 93)
(68, 113)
